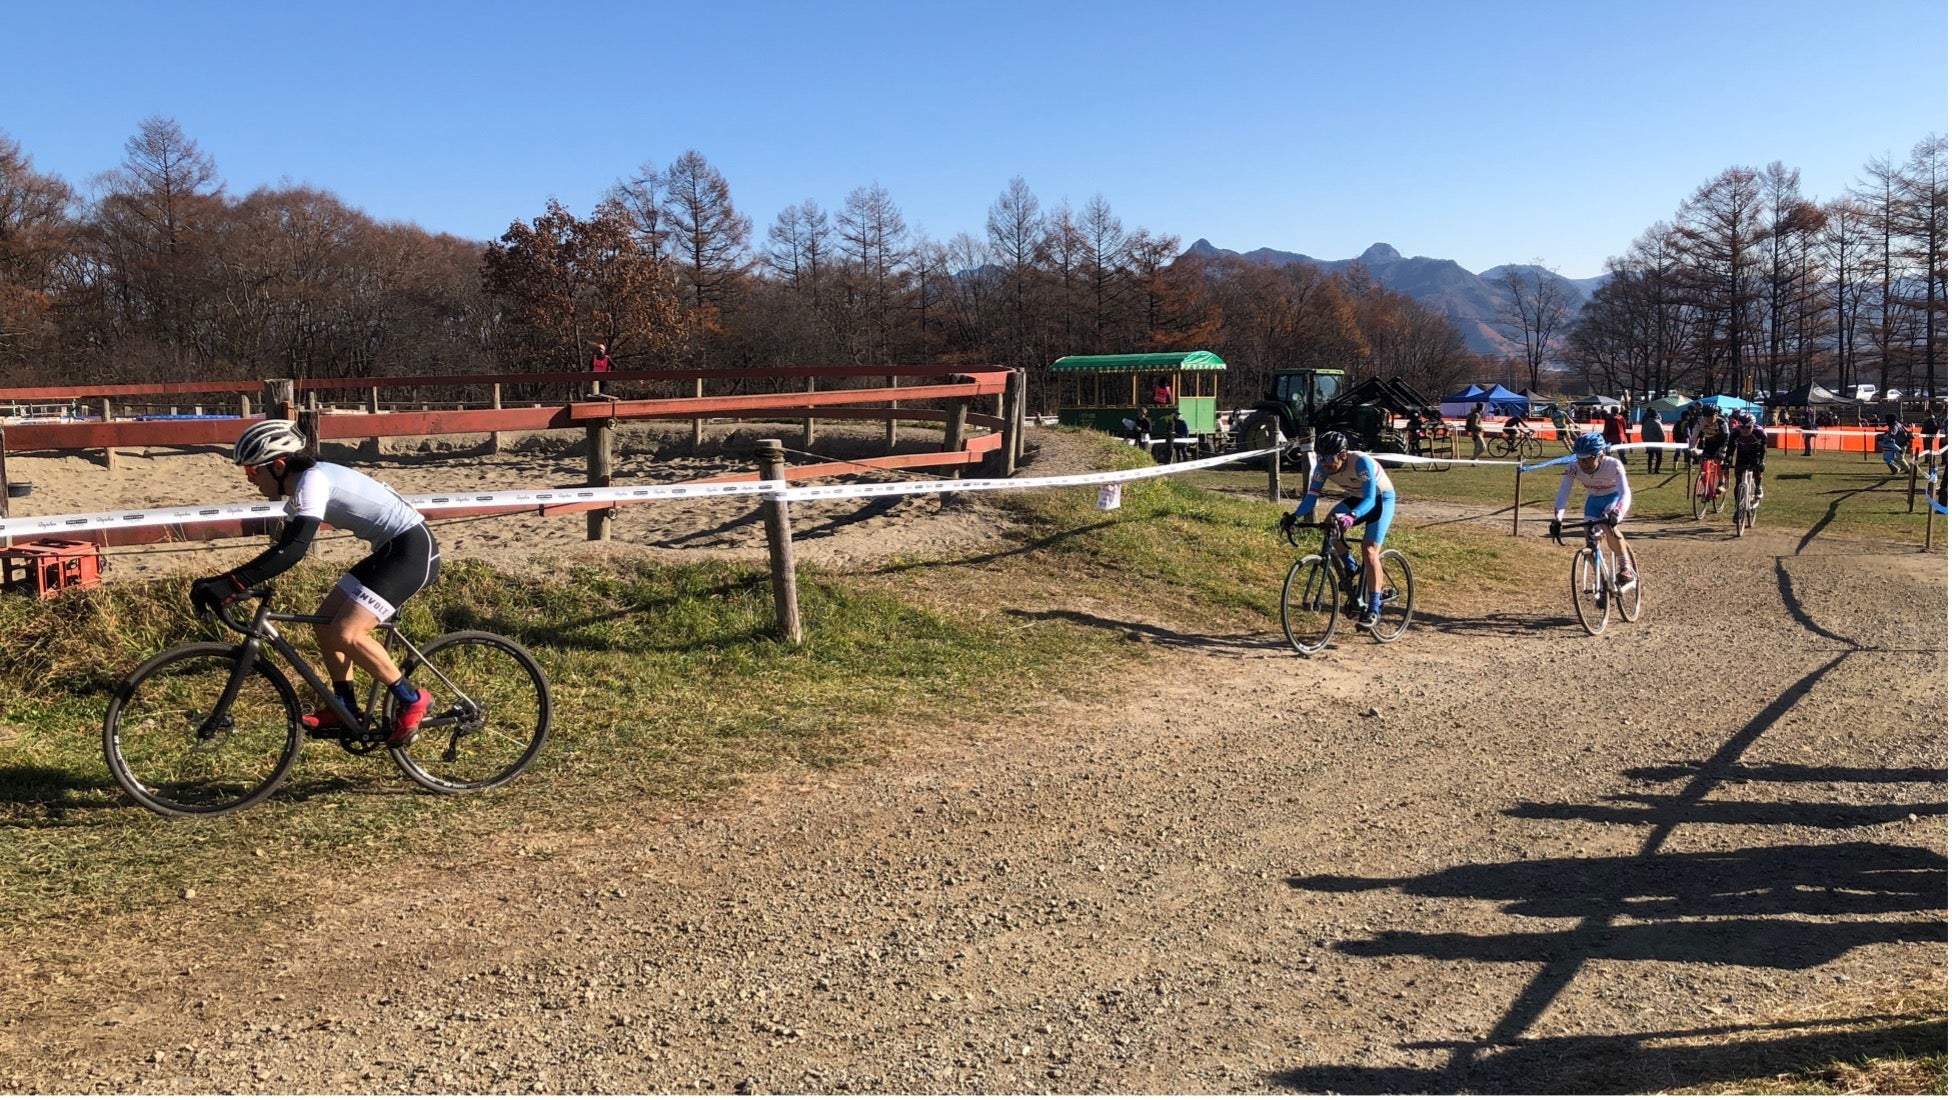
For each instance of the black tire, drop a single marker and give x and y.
(1534, 450)
(1310, 604)
(489, 718)
(1399, 597)
(1697, 493)
(1744, 504)
(1629, 600)
(1592, 596)
(1502, 446)
(150, 735)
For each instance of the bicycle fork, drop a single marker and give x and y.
(218, 720)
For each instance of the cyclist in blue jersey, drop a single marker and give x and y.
(404, 560)
(1608, 496)
(1369, 498)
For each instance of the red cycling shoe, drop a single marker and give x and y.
(406, 723)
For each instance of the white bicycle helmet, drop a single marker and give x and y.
(267, 440)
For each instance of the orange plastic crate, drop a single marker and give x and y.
(45, 567)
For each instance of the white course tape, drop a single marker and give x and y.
(959, 485)
(36, 526)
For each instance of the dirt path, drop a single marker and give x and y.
(1498, 856)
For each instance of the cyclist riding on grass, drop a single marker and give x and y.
(1370, 500)
(1747, 449)
(1608, 496)
(404, 560)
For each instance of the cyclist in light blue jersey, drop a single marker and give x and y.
(1369, 498)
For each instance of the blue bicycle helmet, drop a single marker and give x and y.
(1330, 444)
(1590, 445)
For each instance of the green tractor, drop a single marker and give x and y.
(1307, 400)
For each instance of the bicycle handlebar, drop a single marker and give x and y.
(1588, 523)
(222, 611)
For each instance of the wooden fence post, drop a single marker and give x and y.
(779, 544)
(806, 426)
(6, 487)
(108, 419)
(600, 436)
(374, 445)
(495, 438)
(244, 406)
(1274, 470)
(1517, 492)
(698, 424)
(1012, 424)
(278, 398)
(894, 433)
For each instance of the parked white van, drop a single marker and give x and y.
(1865, 391)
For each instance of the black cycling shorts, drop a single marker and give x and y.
(394, 571)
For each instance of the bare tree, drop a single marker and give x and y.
(1535, 309)
(874, 249)
(36, 234)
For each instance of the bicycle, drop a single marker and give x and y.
(1707, 494)
(213, 727)
(1596, 588)
(1519, 440)
(1318, 590)
(1747, 490)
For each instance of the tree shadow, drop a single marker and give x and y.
(1642, 1062)
(55, 792)
(1658, 808)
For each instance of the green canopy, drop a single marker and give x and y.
(1141, 362)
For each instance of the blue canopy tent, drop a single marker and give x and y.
(1731, 404)
(1462, 402)
(1499, 401)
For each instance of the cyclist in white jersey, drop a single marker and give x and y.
(1608, 496)
(404, 560)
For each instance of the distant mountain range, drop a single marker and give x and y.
(1470, 301)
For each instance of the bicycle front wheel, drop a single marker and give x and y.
(1589, 590)
(1533, 448)
(1309, 604)
(489, 718)
(1699, 498)
(172, 744)
(1744, 505)
(1628, 598)
(1399, 597)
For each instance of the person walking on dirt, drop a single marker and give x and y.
(1474, 425)
(1653, 431)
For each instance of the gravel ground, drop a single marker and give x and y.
(1498, 856)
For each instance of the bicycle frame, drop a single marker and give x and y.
(1711, 473)
(261, 629)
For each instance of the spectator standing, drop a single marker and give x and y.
(1653, 431)
(1808, 425)
(1613, 428)
(600, 361)
(1931, 426)
(1474, 424)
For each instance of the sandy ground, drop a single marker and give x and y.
(1497, 856)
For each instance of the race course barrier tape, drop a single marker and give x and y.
(38, 526)
(946, 485)
(34, 526)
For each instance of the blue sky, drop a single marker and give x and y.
(1486, 132)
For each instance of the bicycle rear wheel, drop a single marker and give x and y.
(1310, 604)
(1399, 597)
(159, 749)
(1589, 590)
(489, 718)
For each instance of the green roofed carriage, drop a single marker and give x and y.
(1114, 393)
